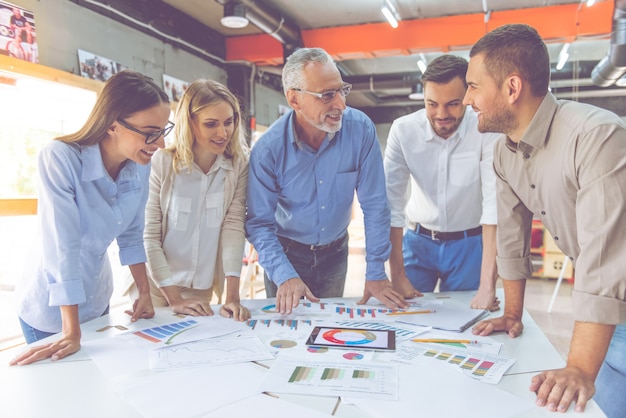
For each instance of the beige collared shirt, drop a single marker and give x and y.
(569, 170)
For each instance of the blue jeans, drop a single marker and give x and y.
(322, 270)
(611, 381)
(32, 334)
(455, 262)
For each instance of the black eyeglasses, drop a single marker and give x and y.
(151, 137)
(328, 96)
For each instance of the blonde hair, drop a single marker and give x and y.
(200, 94)
(124, 94)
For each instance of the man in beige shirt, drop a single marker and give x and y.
(565, 163)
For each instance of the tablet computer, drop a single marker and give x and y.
(354, 338)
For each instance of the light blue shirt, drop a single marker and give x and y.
(306, 195)
(81, 211)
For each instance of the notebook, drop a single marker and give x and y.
(445, 317)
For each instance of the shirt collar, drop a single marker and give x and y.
(536, 135)
(93, 166)
(293, 135)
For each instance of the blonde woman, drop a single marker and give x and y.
(196, 208)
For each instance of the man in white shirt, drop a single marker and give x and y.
(441, 187)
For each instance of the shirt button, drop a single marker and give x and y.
(323, 229)
(526, 156)
(321, 181)
(323, 207)
(532, 186)
(543, 212)
(556, 238)
(571, 258)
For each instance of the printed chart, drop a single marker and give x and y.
(272, 324)
(166, 334)
(356, 380)
(209, 352)
(481, 366)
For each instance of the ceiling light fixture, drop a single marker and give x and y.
(563, 57)
(422, 63)
(591, 3)
(234, 15)
(390, 13)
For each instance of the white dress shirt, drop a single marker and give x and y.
(445, 185)
(195, 219)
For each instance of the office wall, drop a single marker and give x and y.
(63, 27)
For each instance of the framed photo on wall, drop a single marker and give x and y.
(18, 37)
(97, 67)
(174, 87)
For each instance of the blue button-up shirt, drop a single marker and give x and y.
(81, 211)
(306, 195)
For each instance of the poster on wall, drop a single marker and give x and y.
(18, 37)
(174, 87)
(96, 67)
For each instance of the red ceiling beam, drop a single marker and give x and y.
(554, 23)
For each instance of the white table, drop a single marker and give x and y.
(75, 387)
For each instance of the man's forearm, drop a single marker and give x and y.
(488, 269)
(514, 297)
(590, 342)
(396, 260)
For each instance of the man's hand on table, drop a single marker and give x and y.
(289, 294)
(486, 299)
(384, 292)
(557, 389)
(510, 324)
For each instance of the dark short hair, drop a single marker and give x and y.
(516, 48)
(444, 69)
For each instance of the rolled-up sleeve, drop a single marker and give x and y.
(600, 286)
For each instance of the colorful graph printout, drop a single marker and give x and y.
(264, 324)
(165, 333)
(363, 313)
(348, 379)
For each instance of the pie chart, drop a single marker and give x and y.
(353, 356)
(283, 343)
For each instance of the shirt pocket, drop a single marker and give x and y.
(179, 212)
(214, 209)
(464, 169)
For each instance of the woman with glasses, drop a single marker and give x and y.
(92, 190)
(197, 204)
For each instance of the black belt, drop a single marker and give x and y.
(446, 236)
(291, 243)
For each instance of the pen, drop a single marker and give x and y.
(411, 312)
(440, 340)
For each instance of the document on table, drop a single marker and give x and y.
(446, 317)
(429, 389)
(478, 365)
(361, 380)
(210, 352)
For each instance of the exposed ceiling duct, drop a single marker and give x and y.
(612, 67)
(271, 22)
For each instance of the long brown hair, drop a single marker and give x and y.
(124, 94)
